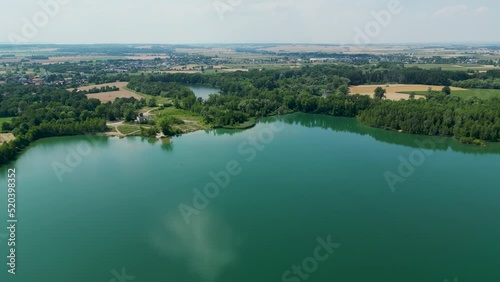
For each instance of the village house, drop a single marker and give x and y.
(143, 119)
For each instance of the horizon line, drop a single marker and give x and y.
(264, 43)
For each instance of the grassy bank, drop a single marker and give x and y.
(128, 129)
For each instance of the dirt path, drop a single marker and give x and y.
(115, 125)
(133, 132)
(148, 113)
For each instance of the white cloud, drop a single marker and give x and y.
(480, 10)
(459, 10)
(208, 245)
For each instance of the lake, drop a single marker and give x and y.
(203, 91)
(296, 198)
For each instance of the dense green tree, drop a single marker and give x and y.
(343, 89)
(379, 93)
(166, 125)
(446, 90)
(152, 102)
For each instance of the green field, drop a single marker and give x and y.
(178, 113)
(192, 121)
(159, 99)
(127, 129)
(2, 120)
(466, 94)
(452, 67)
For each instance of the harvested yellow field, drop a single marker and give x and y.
(6, 137)
(394, 90)
(111, 96)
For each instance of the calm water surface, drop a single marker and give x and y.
(117, 208)
(203, 91)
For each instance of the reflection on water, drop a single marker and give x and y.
(207, 244)
(309, 182)
(351, 125)
(167, 145)
(152, 141)
(73, 141)
(222, 131)
(203, 91)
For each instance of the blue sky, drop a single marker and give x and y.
(249, 21)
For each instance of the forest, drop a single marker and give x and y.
(355, 75)
(323, 89)
(102, 89)
(467, 121)
(41, 112)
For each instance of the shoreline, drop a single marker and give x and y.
(111, 134)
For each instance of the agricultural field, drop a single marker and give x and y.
(159, 99)
(61, 59)
(468, 93)
(111, 96)
(205, 51)
(452, 67)
(480, 93)
(147, 56)
(56, 59)
(173, 72)
(328, 49)
(6, 137)
(399, 91)
(233, 70)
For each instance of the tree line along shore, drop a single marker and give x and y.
(47, 111)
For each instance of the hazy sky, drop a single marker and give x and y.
(249, 21)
